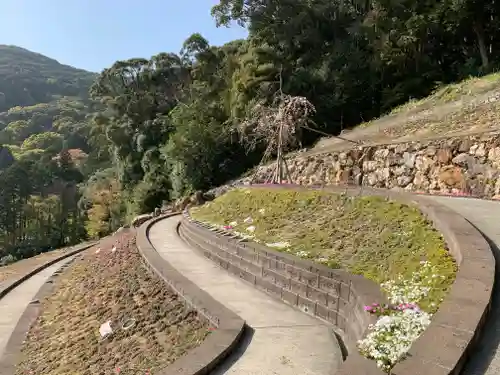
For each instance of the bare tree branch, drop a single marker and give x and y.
(277, 126)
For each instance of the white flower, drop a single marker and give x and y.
(279, 245)
(251, 229)
(302, 254)
(233, 223)
(416, 288)
(248, 220)
(392, 336)
(262, 211)
(245, 236)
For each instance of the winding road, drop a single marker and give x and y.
(283, 337)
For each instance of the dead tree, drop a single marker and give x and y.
(278, 127)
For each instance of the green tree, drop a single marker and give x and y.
(50, 141)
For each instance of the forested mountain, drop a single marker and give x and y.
(28, 78)
(168, 125)
(45, 152)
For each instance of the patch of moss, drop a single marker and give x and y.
(371, 236)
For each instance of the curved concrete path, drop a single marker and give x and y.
(485, 216)
(284, 340)
(12, 306)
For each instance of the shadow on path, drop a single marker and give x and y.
(485, 217)
(245, 341)
(481, 361)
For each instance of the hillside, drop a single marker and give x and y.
(171, 124)
(44, 105)
(46, 152)
(470, 106)
(186, 122)
(28, 78)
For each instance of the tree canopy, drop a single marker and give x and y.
(152, 129)
(46, 152)
(28, 78)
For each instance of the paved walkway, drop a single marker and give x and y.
(285, 341)
(12, 306)
(485, 216)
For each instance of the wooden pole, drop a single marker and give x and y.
(279, 160)
(287, 171)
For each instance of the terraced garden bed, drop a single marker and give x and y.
(24, 266)
(151, 326)
(385, 241)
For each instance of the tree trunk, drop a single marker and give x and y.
(478, 30)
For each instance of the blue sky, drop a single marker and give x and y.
(93, 34)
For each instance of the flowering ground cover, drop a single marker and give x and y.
(150, 325)
(386, 241)
(401, 322)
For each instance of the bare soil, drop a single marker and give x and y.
(110, 282)
(24, 266)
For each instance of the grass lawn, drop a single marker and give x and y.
(110, 285)
(370, 236)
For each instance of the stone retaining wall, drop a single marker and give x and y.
(442, 349)
(332, 295)
(468, 165)
(229, 327)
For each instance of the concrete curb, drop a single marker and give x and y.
(10, 357)
(461, 316)
(229, 326)
(11, 285)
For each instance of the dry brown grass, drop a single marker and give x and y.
(477, 117)
(24, 266)
(114, 286)
(470, 106)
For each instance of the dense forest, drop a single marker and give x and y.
(46, 152)
(82, 152)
